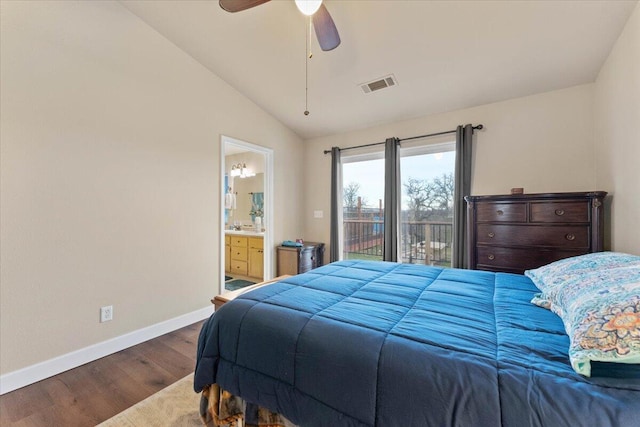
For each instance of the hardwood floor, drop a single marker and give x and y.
(92, 393)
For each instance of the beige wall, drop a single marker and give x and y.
(617, 135)
(543, 143)
(110, 180)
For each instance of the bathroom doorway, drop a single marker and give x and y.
(246, 214)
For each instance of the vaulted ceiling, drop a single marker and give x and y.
(445, 55)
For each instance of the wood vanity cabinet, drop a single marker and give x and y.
(295, 260)
(514, 233)
(239, 255)
(244, 256)
(227, 254)
(256, 257)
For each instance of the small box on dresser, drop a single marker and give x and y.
(514, 233)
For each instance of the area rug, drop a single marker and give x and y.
(174, 406)
(234, 284)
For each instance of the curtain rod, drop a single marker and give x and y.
(403, 139)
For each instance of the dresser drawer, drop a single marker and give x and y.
(569, 236)
(560, 211)
(517, 260)
(501, 212)
(239, 254)
(239, 267)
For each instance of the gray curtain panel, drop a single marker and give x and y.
(336, 204)
(464, 135)
(391, 199)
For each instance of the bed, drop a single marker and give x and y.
(364, 343)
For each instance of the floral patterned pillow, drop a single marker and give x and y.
(556, 273)
(601, 314)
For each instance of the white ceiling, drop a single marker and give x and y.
(445, 55)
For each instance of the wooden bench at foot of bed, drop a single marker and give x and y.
(219, 300)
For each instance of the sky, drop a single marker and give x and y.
(370, 174)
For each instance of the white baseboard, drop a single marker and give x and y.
(34, 373)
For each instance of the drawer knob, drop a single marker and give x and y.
(491, 234)
(559, 212)
(499, 212)
(491, 257)
(570, 236)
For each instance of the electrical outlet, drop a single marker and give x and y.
(106, 313)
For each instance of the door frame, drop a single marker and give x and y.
(268, 204)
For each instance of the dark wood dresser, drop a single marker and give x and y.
(514, 233)
(296, 260)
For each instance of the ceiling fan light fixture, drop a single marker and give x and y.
(308, 7)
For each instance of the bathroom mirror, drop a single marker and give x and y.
(249, 191)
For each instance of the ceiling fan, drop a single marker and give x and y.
(326, 31)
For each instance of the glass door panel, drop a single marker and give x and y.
(427, 207)
(363, 210)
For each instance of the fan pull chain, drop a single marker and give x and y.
(308, 55)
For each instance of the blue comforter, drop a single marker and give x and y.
(361, 343)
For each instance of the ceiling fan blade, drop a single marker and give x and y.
(239, 5)
(326, 31)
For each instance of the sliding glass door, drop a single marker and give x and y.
(428, 183)
(427, 173)
(362, 206)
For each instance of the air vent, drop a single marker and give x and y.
(378, 84)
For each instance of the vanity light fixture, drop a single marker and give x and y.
(245, 172)
(241, 170)
(235, 170)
